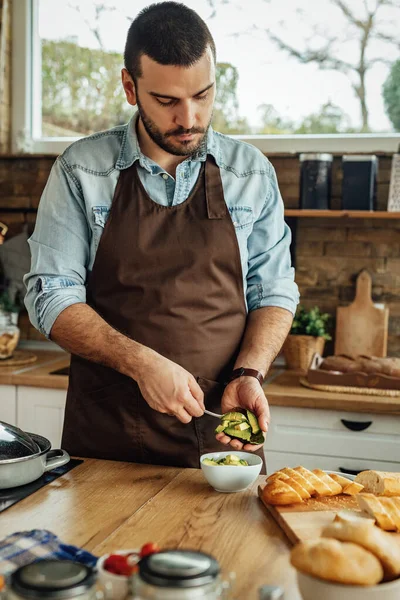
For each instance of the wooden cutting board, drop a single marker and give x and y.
(362, 327)
(306, 521)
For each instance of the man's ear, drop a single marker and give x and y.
(129, 87)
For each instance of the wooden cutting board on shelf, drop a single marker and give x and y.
(362, 327)
(306, 521)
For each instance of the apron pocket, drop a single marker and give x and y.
(213, 391)
(109, 392)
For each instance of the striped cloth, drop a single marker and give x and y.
(24, 547)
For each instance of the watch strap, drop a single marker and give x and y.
(244, 372)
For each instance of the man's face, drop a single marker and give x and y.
(175, 103)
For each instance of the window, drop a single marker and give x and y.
(292, 76)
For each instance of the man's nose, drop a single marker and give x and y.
(185, 117)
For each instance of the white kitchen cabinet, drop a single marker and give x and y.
(41, 410)
(332, 439)
(8, 404)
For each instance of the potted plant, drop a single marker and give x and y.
(307, 336)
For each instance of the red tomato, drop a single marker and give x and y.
(118, 564)
(149, 548)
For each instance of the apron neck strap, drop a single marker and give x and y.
(216, 207)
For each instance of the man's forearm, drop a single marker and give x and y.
(266, 330)
(80, 330)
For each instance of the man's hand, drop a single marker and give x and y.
(245, 392)
(169, 388)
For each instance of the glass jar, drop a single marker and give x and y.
(315, 180)
(9, 335)
(179, 575)
(55, 580)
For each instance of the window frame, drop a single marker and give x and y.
(26, 102)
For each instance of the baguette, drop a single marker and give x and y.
(365, 533)
(279, 492)
(375, 507)
(380, 483)
(304, 495)
(320, 487)
(351, 488)
(334, 487)
(342, 562)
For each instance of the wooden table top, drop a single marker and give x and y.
(104, 506)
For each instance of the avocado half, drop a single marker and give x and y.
(242, 425)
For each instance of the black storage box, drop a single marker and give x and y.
(359, 182)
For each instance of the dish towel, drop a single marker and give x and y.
(24, 547)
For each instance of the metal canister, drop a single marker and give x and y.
(179, 575)
(54, 580)
(315, 180)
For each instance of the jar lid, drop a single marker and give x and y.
(316, 156)
(52, 579)
(15, 443)
(359, 158)
(179, 569)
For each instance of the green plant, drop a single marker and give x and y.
(311, 322)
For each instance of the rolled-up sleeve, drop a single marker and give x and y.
(59, 250)
(270, 277)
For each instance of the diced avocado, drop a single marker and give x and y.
(233, 416)
(241, 435)
(243, 462)
(241, 426)
(210, 461)
(220, 428)
(232, 458)
(252, 419)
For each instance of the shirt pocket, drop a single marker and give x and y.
(242, 217)
(99, 220)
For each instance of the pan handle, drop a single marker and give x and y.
(56, 458)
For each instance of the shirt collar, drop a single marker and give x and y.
(130, 149)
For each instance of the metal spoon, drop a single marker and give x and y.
(212, 414)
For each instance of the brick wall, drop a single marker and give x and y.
(5, 74)
(329, 252)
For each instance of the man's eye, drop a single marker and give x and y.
(204, 97)
(168, 103)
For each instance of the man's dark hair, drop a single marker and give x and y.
(169, 33)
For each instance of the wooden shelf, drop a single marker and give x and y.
(340, 214)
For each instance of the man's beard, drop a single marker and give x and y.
(162, 139)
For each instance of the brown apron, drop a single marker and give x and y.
(171, 279)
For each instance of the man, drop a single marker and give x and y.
(160, 260)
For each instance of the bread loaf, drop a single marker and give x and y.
(365, 533)
(364, 364)
(342, 562)
(380, 509)
(380, 483)
(305, 483)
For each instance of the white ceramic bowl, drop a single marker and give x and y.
(312, 588)
(119, 583)
(227, 478)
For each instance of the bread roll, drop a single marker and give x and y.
(365, 533)
(374, 506)
(380, 483)
(342, 562)
(279, 492)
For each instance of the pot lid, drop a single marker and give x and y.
(15, 443)
(179, 569)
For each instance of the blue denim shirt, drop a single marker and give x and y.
(76, 202)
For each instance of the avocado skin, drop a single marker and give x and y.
(252, 419)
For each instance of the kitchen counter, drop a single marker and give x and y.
(103, 506)
(281, 386)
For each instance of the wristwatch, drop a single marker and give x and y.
(244, 372)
